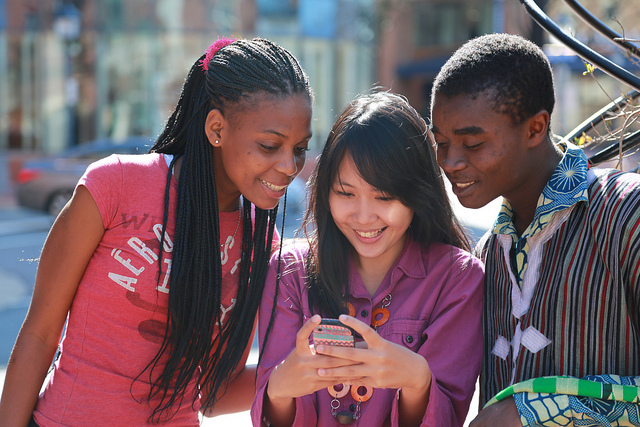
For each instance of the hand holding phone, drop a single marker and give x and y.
(333, 332)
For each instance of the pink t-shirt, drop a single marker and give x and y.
(118, 316)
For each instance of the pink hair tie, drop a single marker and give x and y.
(213, 49)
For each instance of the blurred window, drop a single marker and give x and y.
(318, 18)
(449, 23)
(115, 14)
(276, 7)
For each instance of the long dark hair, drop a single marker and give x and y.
(387, 140)
(190, 346)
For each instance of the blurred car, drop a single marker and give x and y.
(47, 184)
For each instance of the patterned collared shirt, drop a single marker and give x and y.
(563, 298)
(567, 186)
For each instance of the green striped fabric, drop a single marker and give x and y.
(573, 387)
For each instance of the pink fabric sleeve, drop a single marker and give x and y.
(289, 318)
(453, 348)
(103, 179)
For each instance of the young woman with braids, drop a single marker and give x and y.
(159, 259)
(385, 247)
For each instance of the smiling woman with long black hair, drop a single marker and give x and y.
(159, 260)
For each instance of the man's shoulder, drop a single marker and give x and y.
(606, 177)
(613, 186)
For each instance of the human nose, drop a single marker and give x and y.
(289, 164)
(451, 158)
(364, 212)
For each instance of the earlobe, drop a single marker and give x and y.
(213, 127)
(538, 126)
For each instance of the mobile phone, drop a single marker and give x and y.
(333, 332)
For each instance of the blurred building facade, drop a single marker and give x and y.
(76, 70)
(580, 94)
(416, 37)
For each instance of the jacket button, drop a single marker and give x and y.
(409, 339)
(364, 313)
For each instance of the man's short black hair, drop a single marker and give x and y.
(513, 71)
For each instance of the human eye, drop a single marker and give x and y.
(301, 150)
(473, 145)
(386, 197)
(268, 147)
(342, 192)
(439, 144)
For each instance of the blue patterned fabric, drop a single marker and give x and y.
(546, 410)
(566, 187)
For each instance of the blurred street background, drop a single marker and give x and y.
(76, 75)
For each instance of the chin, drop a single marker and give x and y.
(473, 204)
(266, 205)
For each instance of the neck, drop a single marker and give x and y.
(525, 201)
(371, 276)
(373, 270)
(229, 205)
(227, 191)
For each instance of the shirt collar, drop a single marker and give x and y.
(566, 187)
(411, 260)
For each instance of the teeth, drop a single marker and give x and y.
(464, 184)
(370, 233)
(273, 186)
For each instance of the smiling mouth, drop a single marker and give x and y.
(370, 234)
(463, 185)
(273, 187)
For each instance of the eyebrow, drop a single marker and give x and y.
(340, 183)
(469, 130)
(274, 132)
(281, 135)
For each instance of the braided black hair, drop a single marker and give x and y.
(513, 71)
(190, 347)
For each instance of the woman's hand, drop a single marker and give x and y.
(383, 364)
(298, 376)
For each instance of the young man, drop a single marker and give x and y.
(562, 262)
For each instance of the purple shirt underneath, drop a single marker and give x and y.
(435, 312)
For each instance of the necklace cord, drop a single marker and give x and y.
(233, 236)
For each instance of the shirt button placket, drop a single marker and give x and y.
(365, 312)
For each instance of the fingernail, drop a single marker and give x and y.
(320, 349)
(321, 372)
